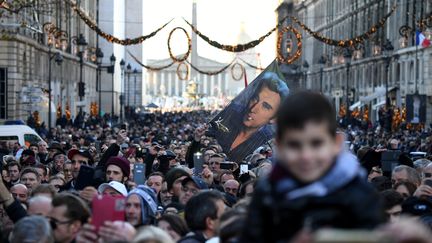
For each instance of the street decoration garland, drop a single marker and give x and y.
(186, 55)
(178, 71)
(289, 58)
(238, 47)
(242, 71)
(110, 38)
(210, 73)
(150, 67)
(348, 42)
(317, 35)
(251, 65)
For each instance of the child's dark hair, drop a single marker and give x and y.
(302, 107)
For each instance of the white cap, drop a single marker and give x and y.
(114, 185)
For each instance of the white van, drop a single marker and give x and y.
(23, 134)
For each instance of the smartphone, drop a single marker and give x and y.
(98, 146)
(139, 174)
(244, 168)
(198, 160)
(107, 208)
(85, 177)
(227, 166)
(428, 182)
(123, 126)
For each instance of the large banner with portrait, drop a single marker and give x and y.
(416, 108)
(247, 122)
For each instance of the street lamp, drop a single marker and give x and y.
(128, 71)
(305, 69)
(99, 58)
(58, 39)
(347, 58)
(135, 71)
(122, 67)
(82, 43)
(322, 61)
(388, 48)
(111, 70)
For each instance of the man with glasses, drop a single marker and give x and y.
(77, 158)
(68, 215)
(190, 186)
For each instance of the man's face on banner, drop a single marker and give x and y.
(262, 109)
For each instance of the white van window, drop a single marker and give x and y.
(31, 138)
(8, 141)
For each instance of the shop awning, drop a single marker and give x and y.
(376, 106)
(377, 94)
(358, 104)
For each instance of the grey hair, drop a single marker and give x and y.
(413, 175)
(152, 233)
(421, 163)
(32, 229)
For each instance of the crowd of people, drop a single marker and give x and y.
(306, 184)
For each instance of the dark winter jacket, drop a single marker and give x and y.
(342, 198)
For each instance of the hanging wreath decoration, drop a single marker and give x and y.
(179, 71)
(289, 58)
(149, 67)
(186, 55)
(242, 71)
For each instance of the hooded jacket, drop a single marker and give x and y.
(342, 198)
(148, 204)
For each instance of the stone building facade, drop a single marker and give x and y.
(409, 66)
(24, 61)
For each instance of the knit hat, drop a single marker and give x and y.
(121, 162)
(173, 175)
(149, 205)
(28, 152)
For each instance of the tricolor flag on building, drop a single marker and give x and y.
(422, 40)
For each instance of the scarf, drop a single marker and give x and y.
(344, 170)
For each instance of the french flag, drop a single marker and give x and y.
(422, 40)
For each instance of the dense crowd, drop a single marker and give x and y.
(302, 186)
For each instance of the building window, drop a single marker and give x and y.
(3, 93)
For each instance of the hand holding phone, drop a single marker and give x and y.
(107, 208)
(198, 159)
(84, 178)
(139, 174)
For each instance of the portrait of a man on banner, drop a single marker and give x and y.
(247, 122)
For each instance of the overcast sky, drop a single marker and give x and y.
(221, 20)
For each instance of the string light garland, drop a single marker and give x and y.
(236, 64)
(289, 58)
(110, 38)
(251, 65)
(149, 67)
(210, 73)
(238, 47)
(186, 55)
(317, 35)
(178, 71)
(348, 42)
